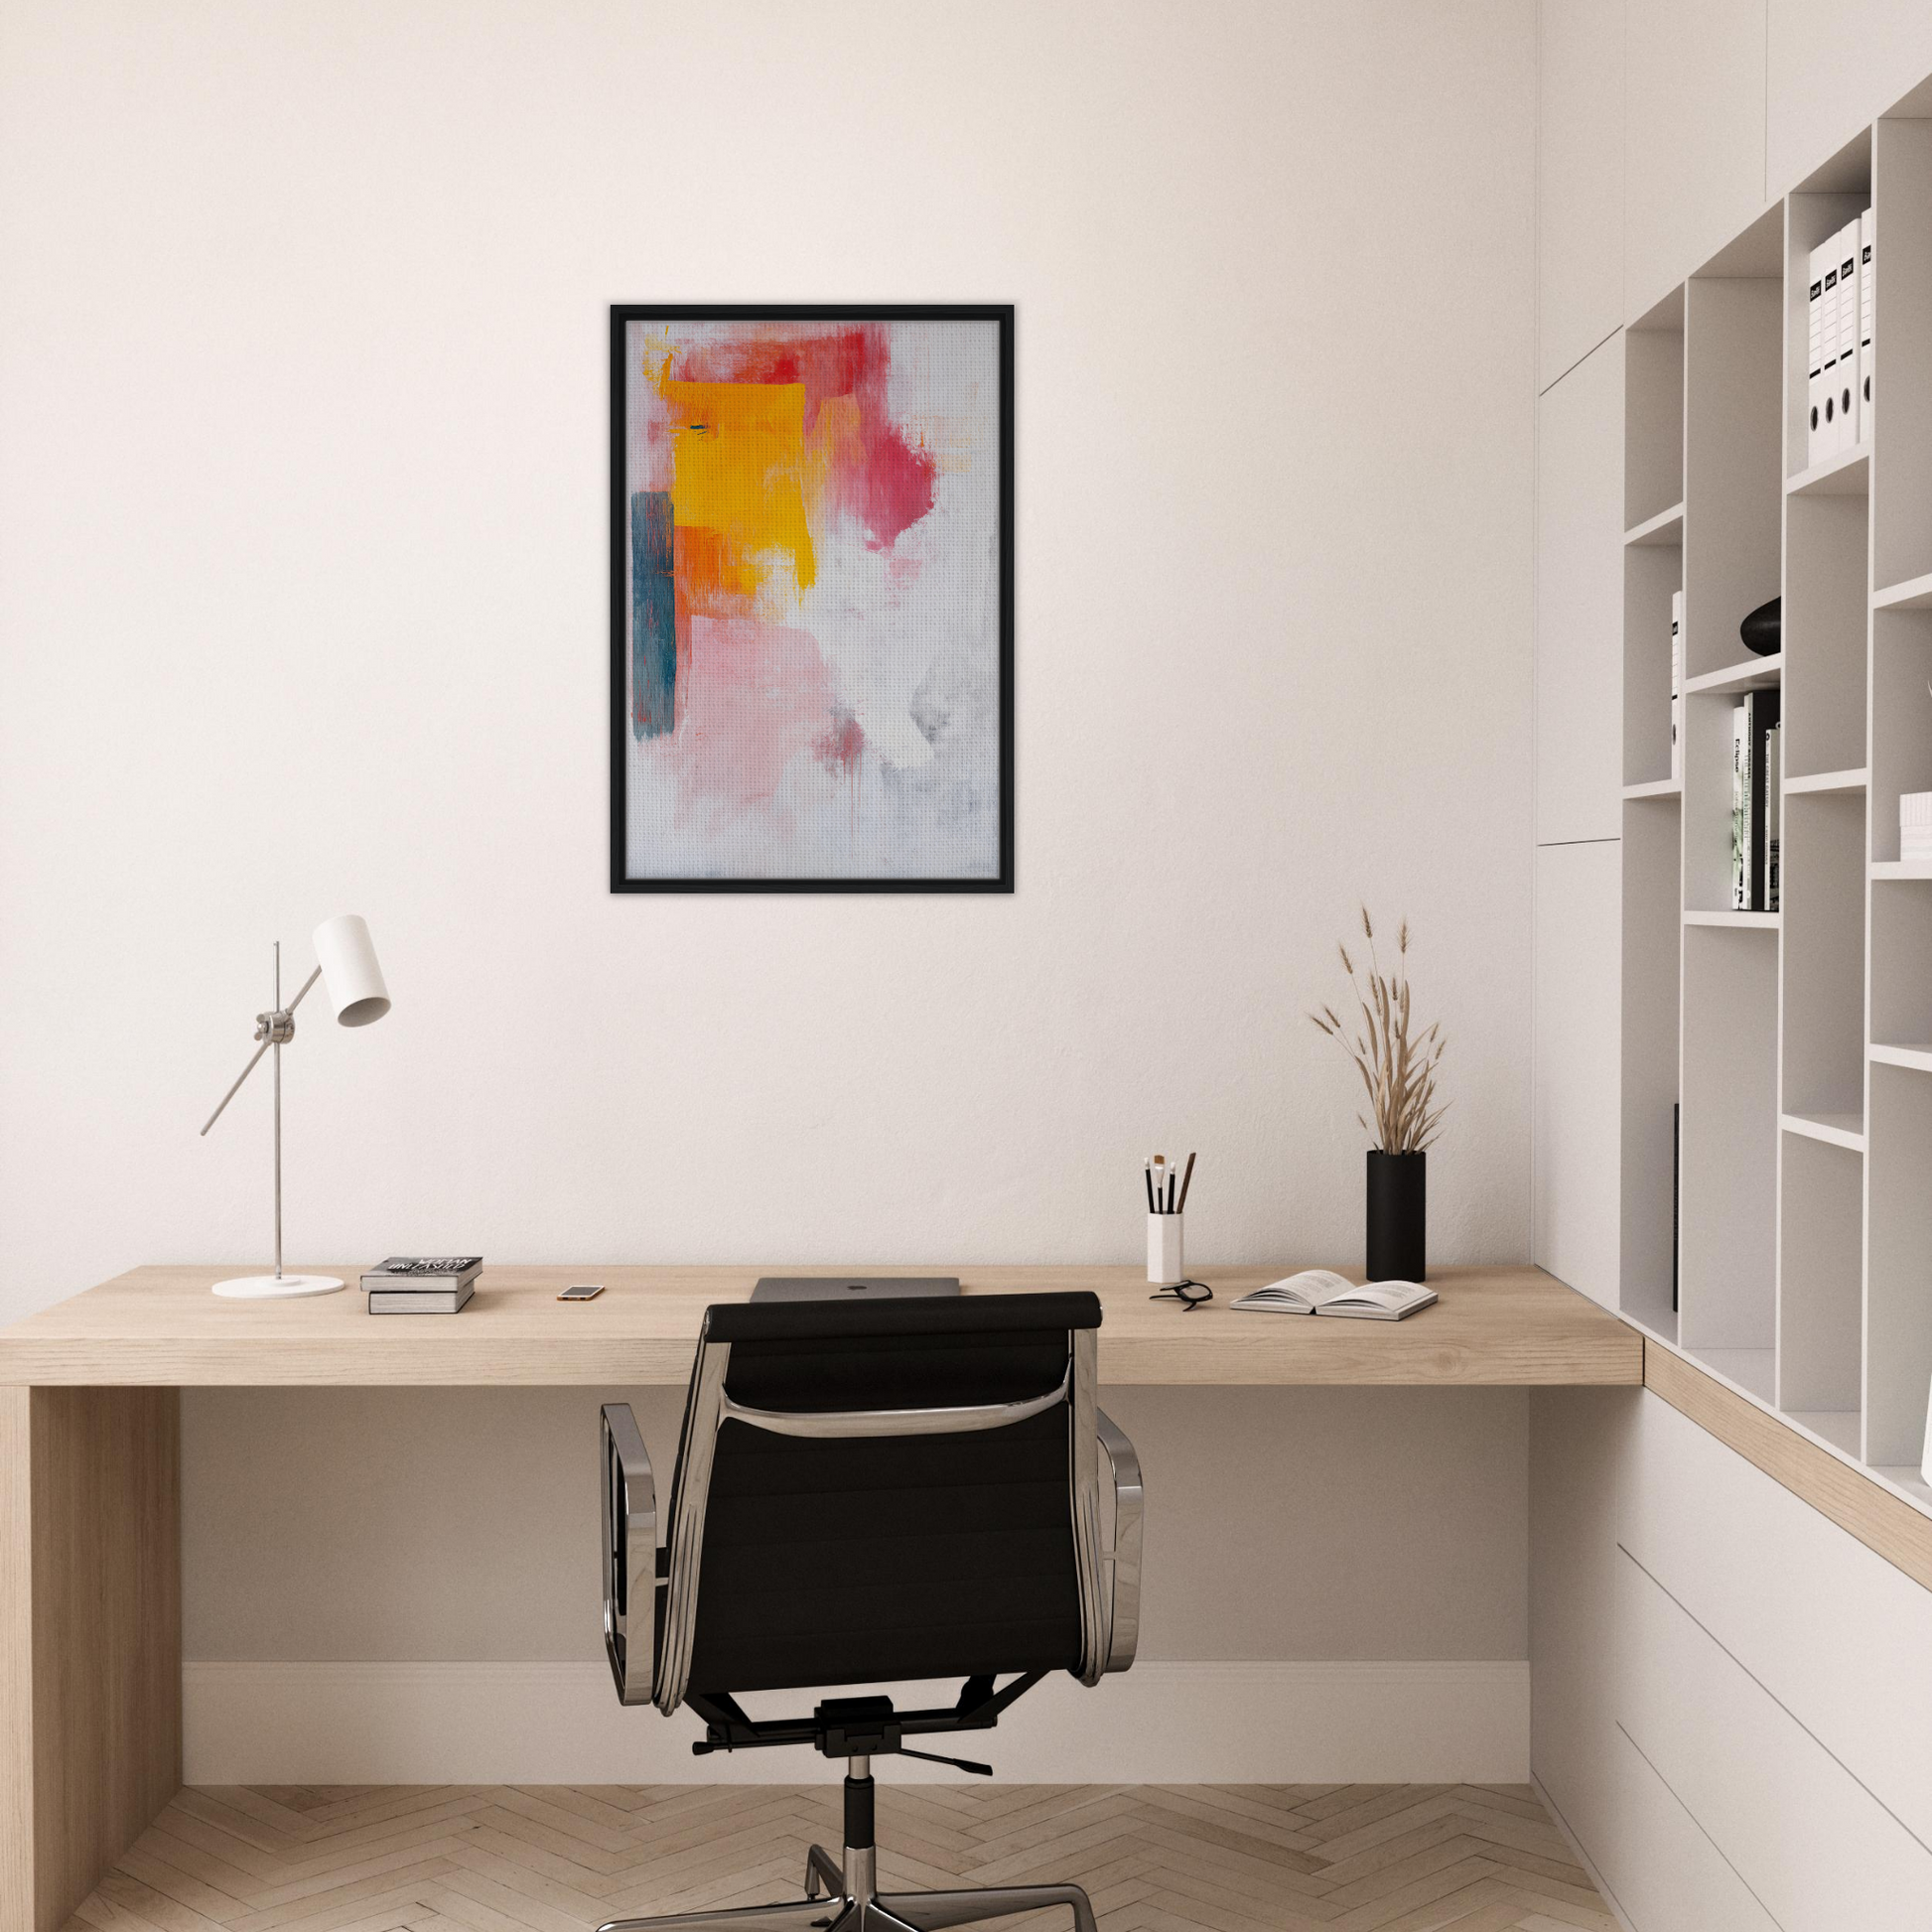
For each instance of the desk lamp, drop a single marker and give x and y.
(352, 981)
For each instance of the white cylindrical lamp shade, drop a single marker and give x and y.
(349, 974)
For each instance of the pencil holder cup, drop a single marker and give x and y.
(1163, 1249)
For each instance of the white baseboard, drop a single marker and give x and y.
(561, 1723)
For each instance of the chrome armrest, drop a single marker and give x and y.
(629, 1554)
(1124, 1558)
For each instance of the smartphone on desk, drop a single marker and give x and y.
(581, 1292)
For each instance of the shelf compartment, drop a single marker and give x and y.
(1901, 461)
(1835, 1130)
(1729, 1238)
(1915, 594)
(1653, 939)
(1651, 576)
(1664, 531)
(1826, 576)
(1753, 674)
(1901, 964)
(1653, 414)
(1901, 719)
(1845, 475)
(1733, 472)
(1823, 921)
(1821, 1257)
(1826, 781)
(1708, 721)
(1898, 1296)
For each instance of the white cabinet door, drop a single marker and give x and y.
(1693, 137)
(1782, 1588)
(1579, 180)
(1574, 1111)
(1832, 65)
(1579, 602)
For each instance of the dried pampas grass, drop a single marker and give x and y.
(1398, 1071)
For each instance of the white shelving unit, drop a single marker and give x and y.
(1796, 1043)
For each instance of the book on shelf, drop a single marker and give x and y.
(1774, 807)
(1677, 687)
(1753, 819)
(420, 1301)
(1741, 811)
(1320, 1291)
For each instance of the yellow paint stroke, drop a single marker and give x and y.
(739, 453)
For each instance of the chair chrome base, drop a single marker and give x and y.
(853, 1906)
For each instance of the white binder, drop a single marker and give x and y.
(1847, 336)
(1818, 313)
(1865, 301)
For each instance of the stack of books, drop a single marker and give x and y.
(422, 1283)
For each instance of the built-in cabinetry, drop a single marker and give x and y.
(1796, 1043)
(1728, 1688)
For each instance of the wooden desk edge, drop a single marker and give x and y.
(1560, 1338)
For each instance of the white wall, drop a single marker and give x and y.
(303, 504)
(302, 488)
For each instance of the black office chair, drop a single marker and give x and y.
(865, 1494)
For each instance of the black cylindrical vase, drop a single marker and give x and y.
(1398, 1216)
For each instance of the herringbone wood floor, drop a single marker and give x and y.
(561, 1858)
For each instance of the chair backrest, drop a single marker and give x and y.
(883, 1491)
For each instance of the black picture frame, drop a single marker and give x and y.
(624, 314)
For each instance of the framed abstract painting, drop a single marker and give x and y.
(811, 599)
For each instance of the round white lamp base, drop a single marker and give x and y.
(276, 1288)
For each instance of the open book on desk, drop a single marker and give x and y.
(1320, 1291)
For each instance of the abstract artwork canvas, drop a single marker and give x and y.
(811, 599)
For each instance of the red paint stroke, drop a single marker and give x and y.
(884, 482)
(840, 745)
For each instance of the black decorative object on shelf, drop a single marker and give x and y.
(1763, 630)
(1398, 1216)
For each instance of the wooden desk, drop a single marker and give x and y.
(90, 1461)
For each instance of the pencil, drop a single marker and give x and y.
(1186, 1181)
(1148, 1177)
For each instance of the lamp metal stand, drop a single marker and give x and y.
(274, 1029)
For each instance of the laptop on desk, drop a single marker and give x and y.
(851, 1288)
